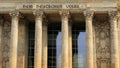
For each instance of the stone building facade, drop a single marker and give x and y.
(29, 28)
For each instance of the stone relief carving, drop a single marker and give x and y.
(5, 43)
(102, 42)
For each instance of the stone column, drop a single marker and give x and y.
(45, 44)
(65, 40)
(89, 39)
(119, 35)
(38, 39)
(70, 42)
(1, 26)
(114, 39)
(14, 39)
(22, 43)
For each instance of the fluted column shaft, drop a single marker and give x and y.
(114, 39)
(119, 35)
(44, 44)
(89, 39)
(65, 39)
(38, 39)
(14, 39)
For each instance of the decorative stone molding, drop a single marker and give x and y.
(14, 13)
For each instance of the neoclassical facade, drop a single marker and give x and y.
(46, 34)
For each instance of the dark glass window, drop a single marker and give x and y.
(31, 38)
(54, 45)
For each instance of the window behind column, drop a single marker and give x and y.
(78, 45)
(31, 38)
(54, 45)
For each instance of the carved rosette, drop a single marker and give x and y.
(14, 13)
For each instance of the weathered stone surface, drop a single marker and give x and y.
(22, 44)
(6, 43)
(102, 43)
(102, 35)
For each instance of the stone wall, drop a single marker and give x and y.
(6, 43)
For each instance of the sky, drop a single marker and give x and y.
(81, 49)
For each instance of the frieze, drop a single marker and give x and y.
(52, 6)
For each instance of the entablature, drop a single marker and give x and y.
(55, 7)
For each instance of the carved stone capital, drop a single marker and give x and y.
(38, 13)
(65, 13)
(14, 13)
(113, 15)
(88, 14)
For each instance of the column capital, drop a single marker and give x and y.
(14, 13)
(89, 13)
(113, 15)
(65, 13)
(38, 13)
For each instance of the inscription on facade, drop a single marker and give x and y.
(53, 6)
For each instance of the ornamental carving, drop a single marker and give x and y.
(38, 13)
(89, 14)
(6, 31)
(14, 13)
(65, 14)
(113, 15)
(102, 42)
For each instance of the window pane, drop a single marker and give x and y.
(54, 45)
(31, 38)
(78, 46)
